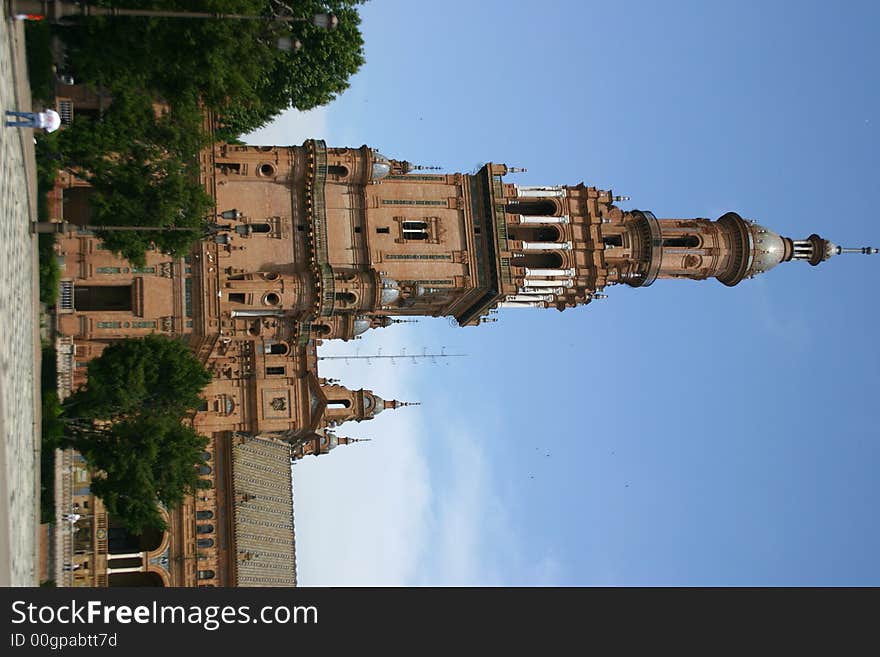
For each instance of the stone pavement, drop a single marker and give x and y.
(19, 324)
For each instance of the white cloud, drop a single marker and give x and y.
(361, 512)
(465, 512)
(475, 537)
(291, 128)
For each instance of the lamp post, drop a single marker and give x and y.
(67, 228)
(59, 10)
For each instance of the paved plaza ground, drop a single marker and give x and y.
(19, 324)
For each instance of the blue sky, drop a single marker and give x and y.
(684, 434)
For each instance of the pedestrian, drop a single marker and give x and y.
(48, 120)
(72, 518)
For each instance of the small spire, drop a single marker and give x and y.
(397, 404)
(347, 441)
(867, 250)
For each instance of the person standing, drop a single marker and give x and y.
(48, 120)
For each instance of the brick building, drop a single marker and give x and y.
(315, 243)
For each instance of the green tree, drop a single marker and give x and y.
(233, 66)
(141, 462)
(154, 374)
(129, 423)
(143, 170)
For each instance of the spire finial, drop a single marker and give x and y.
(397, 404)
(867, 250)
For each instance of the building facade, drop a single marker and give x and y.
(311, 243)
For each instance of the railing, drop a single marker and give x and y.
(65, 110)
(65, 364)
(101, 545)
(319, 229)
(305, 334)
(319, 204)
(65, 296)
(654, 247)
(63, 504)
(328, 290)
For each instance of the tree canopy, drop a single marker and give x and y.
(142, 462)
(129, 423)
(143, 170)
(233, 66)
(143, 375)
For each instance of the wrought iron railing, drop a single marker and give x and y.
(65, 296)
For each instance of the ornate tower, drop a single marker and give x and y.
(320, 243)
(320, 444)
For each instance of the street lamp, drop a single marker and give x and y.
(66, 228)
(59, 11)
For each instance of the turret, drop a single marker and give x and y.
(344, 405)
(319, 443)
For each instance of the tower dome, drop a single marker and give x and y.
(361, 325)
(768, 249)
(381, 166)
(390, 291)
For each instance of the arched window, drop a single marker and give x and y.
(320, 329)
(683, 242)
(205, 542)
(205, 469)
(204, 529)
(339, 403)
(534, 233)
(613, 240)
(204, 515)
(535, 208)
(206, 456)
(337, 170)
(206, 574)
(537, 261)
(277, 348)
(261, 228)
(345, 297)
(414, 230)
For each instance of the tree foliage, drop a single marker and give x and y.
(142, 462)
(143, 170)
(127, 422)
(233, 66)
(145, 375)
